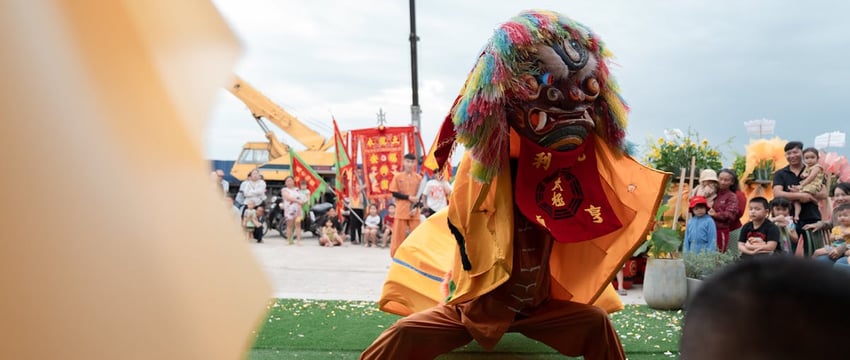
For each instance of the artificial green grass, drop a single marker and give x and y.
(315, 329)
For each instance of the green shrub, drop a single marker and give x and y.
(703, 264)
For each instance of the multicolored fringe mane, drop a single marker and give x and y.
(480, 116)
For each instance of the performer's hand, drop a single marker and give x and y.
(411, 198)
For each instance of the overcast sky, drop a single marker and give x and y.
(704, 65)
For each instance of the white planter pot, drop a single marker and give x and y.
(664, 285)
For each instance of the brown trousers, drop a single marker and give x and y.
(400, 229)
(572, 329)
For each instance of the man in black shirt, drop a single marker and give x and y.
(786, 183)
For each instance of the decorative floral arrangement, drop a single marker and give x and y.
(835, 167)
(764, 157)
(674, 151)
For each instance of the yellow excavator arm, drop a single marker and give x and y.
(276, 148)
(263, 107)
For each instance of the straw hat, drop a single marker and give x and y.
(707, 174)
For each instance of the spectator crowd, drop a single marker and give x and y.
(791, 223)
(361, 222)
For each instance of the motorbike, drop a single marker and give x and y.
(274, 219)
(316, 212)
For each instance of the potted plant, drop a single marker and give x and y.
(664, 285)
(675, 150)
(701, 265)
(764, 170)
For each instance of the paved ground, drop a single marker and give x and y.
(351, 272)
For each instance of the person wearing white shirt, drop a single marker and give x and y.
(254, 189)
(437, 191)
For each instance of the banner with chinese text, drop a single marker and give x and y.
(382, 151)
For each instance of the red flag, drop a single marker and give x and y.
(300, 170)
(340, 204)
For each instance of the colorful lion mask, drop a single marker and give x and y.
(546, 76)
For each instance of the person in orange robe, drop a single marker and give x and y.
(404, 187)
(545, 209)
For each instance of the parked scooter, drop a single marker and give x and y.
(274, 219)
(317, 212)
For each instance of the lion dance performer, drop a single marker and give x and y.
(545, 209)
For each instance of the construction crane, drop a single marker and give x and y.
(272, 157)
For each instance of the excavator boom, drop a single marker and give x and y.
(272, 158)
(263, 107)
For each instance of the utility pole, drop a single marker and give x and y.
(415, 111)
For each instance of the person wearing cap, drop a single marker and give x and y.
(707, 187)
(701, 233)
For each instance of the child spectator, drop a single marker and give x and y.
(249, 219)
(812, 177)
(838, 237)
(333, 216)
(330, 236)
(707, 187)
(760, 236)
(261, 219)
(304, 210)
(780, 214)
(842, 221)
(373, 224)
(389, 220)
(701, 233)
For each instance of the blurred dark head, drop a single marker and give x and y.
(778, 307)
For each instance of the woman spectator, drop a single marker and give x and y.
(292, 203)
(725, 209)
(356, 204)
(254, 189)
(840, 196)
(735, 230)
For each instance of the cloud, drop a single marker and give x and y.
(709, 66)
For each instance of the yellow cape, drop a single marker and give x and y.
(582, 271)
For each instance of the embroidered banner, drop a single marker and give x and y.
(382, 151)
